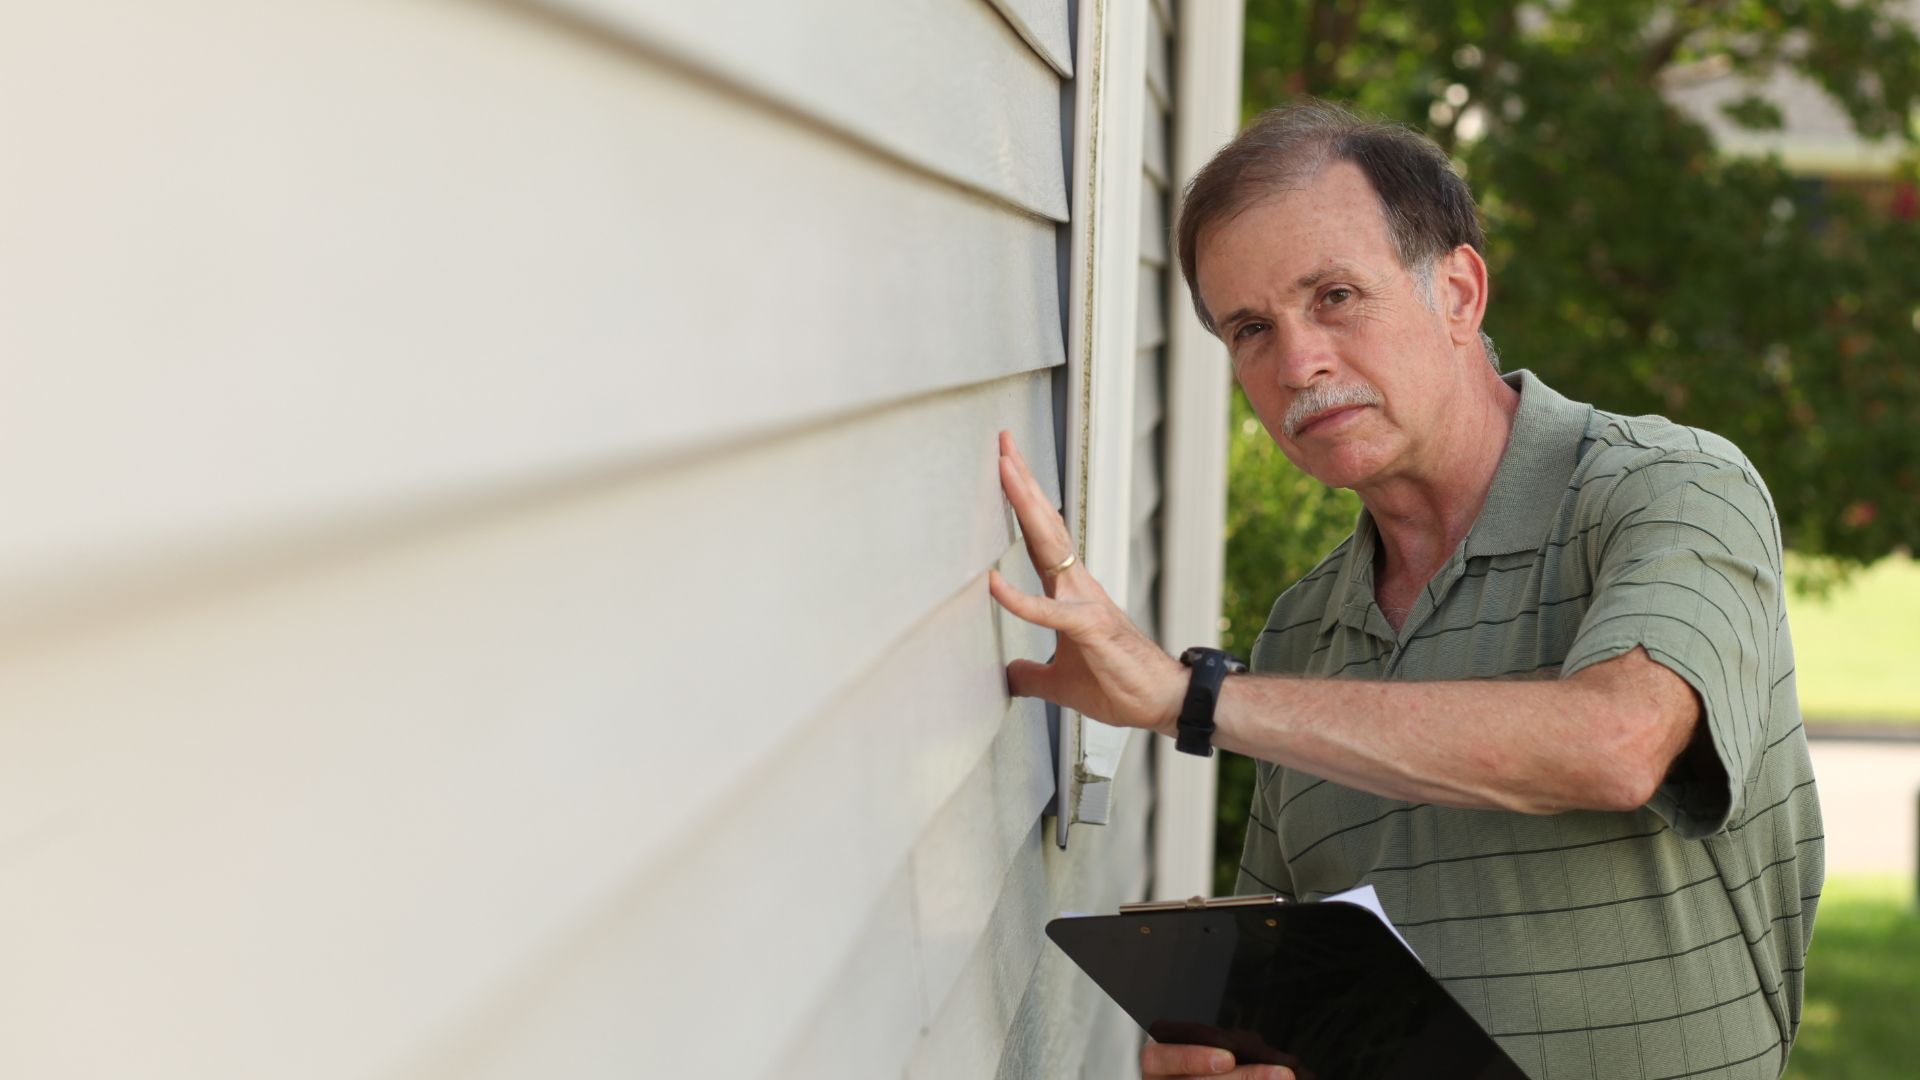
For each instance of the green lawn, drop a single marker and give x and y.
(1857, 649)
(1861, 1020)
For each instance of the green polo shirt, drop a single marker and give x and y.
(1663, 943)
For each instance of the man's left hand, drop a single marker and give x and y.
(1103, 666)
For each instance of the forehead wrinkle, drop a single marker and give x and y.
(1261, 186)
(1314, 277)
(1276, 187)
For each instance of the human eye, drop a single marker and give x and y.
(1248, 329)
(1336, 296)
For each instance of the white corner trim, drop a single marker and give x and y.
(1103, 290)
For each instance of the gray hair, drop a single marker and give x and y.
(1423, 288)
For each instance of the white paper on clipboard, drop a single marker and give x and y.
(1366, 897)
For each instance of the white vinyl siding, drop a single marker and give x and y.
(863, 70)
(1143, 596)
(499, 506)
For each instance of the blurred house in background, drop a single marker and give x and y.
(498, 500)
(1815, 140)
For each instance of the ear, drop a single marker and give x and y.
(1461, 288)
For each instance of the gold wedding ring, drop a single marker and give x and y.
(1055, 571)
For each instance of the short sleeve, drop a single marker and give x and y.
(1688, 566)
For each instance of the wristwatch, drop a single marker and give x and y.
(1210, 668)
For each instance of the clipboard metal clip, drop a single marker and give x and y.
(1198, 903)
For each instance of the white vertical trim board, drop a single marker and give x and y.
(1207, 114)
(1103, 294)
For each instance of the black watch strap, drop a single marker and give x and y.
(1210, 669)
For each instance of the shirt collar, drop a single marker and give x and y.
(1528, 487)
(1352, 595)
(1531, 481)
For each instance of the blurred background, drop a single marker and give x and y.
(1708, 211)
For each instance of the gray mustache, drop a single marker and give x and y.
(1319, 397)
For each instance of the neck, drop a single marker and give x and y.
(1423, 515)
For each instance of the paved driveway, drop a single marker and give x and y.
(1867, 799)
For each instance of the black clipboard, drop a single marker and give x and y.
(1324, 988)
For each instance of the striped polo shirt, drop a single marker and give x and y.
(1663, 943)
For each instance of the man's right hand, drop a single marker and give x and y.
(1172, 1061)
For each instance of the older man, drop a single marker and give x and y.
(1541, 698)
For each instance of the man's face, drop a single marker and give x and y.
(1309, 295)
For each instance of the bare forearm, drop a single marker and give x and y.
(1597, 743)
(1602, 738)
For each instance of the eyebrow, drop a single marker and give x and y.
(1304, 281)
(1233, 317)
(1308, 281)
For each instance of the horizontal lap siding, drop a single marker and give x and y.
(796, 875)
(863, 70)
(1019, 1008)
(1043, 23)
(1150, 379)
(529, 570)
(1100, 871)
(956, 869)
(438, 257)
(454, 758)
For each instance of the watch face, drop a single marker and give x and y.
(1193, 656)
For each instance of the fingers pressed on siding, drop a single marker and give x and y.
(1040, 525)
(1039, 610)
(1025, 479)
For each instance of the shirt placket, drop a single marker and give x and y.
(1432, 598)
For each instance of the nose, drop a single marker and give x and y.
(1305, 354)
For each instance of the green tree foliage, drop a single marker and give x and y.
(1633, 266)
